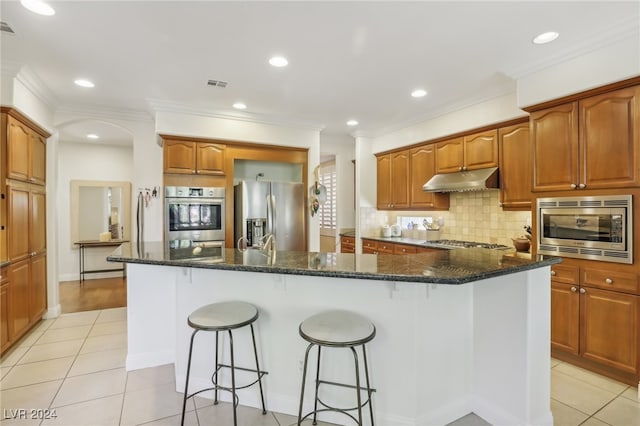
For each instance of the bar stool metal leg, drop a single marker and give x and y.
(366, 375)
(315, 402)
(233, 380)
(355, 358)
(215, 374)
(304, 377)
(186, 384)
(255, 352)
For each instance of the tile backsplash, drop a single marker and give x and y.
(472, 216)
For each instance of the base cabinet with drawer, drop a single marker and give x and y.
(347, 244)
(595, 315)
(384, 247)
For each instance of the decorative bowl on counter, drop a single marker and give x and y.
(521, 243)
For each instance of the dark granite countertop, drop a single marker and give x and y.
(443, 267)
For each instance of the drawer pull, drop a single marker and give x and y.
(553, 273)
(608, 281)
(573, 289)
(583, 291)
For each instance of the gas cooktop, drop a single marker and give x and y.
(468, 244)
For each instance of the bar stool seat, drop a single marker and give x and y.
(224, 316)
(338, 329)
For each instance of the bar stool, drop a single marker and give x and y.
(337, 329)
(224, 316)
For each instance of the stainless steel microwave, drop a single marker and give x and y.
(595, 228)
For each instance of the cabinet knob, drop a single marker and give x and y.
(608, 281)
(574, 186)
(553, 273)
(464, 167)
(573, 289)
(582, 186)
(460, 168)
(583, 291)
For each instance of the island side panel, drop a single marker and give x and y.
(151, 315)
(423, 341)
(511, 361)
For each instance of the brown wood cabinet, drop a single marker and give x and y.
(470, 152)
(384, 247)
(595, 317)
(4, 309)
(422, 163)
(592, 143)
(347, 244)
(23, 227)
(514, 147)
(393, 180)
(26, 153)
(190, 157)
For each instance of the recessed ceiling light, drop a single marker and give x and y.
(279, 61)
(38, 6)
(547, 37)
(418, 93)
(92, 136)
(352, 123)
(84, 83)
(239, 105)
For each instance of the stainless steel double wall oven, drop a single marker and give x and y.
(194, 214)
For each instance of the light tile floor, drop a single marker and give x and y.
(74, 366)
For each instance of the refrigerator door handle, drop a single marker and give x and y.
(272, 209)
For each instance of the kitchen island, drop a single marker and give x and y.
(458, 331)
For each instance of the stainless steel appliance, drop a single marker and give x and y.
(596, 227)
(212, 251)
(276, 208)
(453, 244)
(194, 213)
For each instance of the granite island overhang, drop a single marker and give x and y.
(458, 331)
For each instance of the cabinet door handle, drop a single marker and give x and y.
(574, 186)
(573, 289)
(553, 273)
(608, 281)
(583, 291)
(582, 186)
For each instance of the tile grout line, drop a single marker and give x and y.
(71, 365)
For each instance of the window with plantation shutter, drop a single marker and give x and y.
(327, 212)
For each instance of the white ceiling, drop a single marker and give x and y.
(347, 60)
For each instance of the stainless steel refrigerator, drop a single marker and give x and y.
(276, 208)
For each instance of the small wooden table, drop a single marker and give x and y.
(96, 243)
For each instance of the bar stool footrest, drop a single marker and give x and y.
(249, 370)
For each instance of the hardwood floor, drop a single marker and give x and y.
(95, 294)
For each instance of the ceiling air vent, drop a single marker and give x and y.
(5, 28)
(217, 83)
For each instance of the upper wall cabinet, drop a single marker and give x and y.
(26, 153)
(592, 143)
(423, 166)
(476, 151)
(393, 180)
(515, 167)
(188, 157)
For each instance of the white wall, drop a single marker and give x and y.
(215, 127)
(611, 63)
(82, 161)
(344, 149)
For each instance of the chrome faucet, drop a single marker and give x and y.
(269, 242)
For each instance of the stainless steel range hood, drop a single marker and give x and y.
(473, 180)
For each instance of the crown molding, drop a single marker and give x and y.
(438, 112)
(100, 113)
(36, 86)
(157, 105)
(624, 29)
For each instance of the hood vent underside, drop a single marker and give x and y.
(472, 180)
